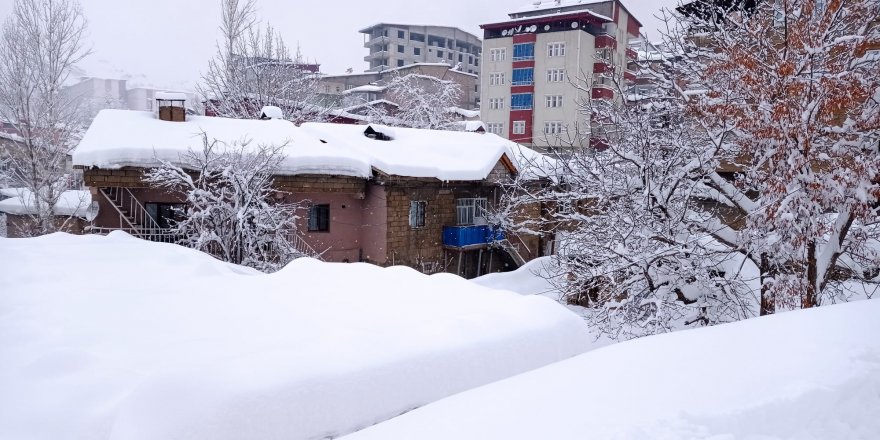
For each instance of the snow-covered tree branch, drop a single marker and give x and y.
(41, 41)
(253, 68)
(232, 211)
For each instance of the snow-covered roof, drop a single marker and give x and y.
(369, 88)
(553, 4)
(445, 155)
(175, 96)
(21, 202)
(271, 112)
(465, 113)
(470, 125)
(119, 138)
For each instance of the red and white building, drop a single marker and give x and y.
(531, 60)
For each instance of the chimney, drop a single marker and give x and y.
(171, 106)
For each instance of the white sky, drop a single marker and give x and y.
(166, 43)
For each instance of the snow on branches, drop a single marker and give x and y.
(231, 207)
(791, 98)
(253, 68)
(40, 44)
(424, 101)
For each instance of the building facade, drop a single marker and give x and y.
(397, 45)
(387, 196)
(533, 59)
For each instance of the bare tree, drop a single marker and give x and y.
(41, 41)
(232, 211)
(253, 68)
(424, 101)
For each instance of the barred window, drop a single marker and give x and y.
(417, 213)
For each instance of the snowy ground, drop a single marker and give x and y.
(811, 374)
(118, 338)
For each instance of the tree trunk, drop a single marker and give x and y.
(768, 302)
(810, 297)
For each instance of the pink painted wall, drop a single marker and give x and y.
(375, 225)
(343, 241)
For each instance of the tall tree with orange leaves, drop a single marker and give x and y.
(788, 91)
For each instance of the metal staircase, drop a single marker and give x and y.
(511, 250)
(131, 211)
(135, 220)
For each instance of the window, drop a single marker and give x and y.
(498, 54)
(400, 48)
(165, 214)
(417, 51)
(496, 79)
(556, 49)
(450, 55)
(555, 75)
(519, 127)
(521, 101)
(496, 103)
(553, 127)
(523, 77)
(495, 127)
(606, 55)
(470, 211)
(399, 63)
(319, 218)
(553, 101)
(523, 51)
(460, 58)
(439, 54)
(401, 34)
(477, 62)
(471, 60)
(417, 214)
(417, 37)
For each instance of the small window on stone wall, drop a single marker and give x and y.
(417, 214)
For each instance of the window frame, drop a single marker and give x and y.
(495, 128)
(314, 218)
(417, 211)
(469, 209)
(519, 127)
(556, 49)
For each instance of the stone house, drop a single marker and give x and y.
(387, 196)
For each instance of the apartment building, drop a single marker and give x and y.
(533, 58)
(398, 45)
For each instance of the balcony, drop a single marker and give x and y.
(523, 82)
(605, 41)
(602, 92)
(379, 54)
(602, 65)
(631, 54)
(470, 236)
(375, 41)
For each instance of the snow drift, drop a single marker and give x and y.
(117, 338)
(811, 374)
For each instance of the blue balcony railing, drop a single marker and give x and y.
(462, 236)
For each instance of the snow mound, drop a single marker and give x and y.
(811, 374)
(118, 338)
(532, 278)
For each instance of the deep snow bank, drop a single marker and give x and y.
(114, 337)
(810, 374)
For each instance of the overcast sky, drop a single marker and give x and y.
(166, 43)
